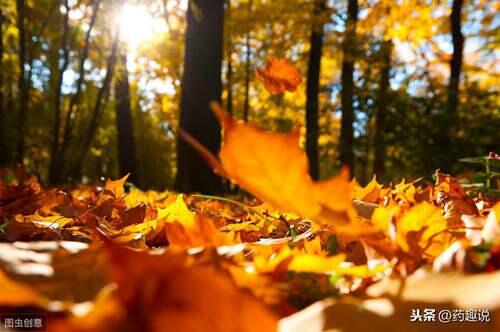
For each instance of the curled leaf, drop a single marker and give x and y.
(279, 76)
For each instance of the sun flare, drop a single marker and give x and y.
(139, 25)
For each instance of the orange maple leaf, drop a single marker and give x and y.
(170, 290)
(275, 169)
(279, 76)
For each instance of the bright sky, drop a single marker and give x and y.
(138, 25)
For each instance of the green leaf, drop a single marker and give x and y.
(481, 161)
(479, 177)
(4, 225)
(332, 244)
(474, 160)
(489, 192)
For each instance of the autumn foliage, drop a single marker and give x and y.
(146, 260)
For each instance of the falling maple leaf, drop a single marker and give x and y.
(275, 169)
(279, 76)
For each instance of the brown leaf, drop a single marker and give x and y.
(130, 216)
(279, 76)
(453, 198)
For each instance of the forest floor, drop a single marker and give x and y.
(303, 256)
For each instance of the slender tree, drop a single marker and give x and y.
(201, 84)
(457, 57)
(4, 155)
(229, 77)
(382, 106)
(23, 83)
(100, 102)
(58, 95)
(312, 89)
(124, 125)
(448, 119)
(347, 81)
(248, 66)
(75, 98)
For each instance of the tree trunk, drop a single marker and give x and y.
(23, 87)
(4, 155)
(229, 80)
(124, 126)
(349, 51)
(229, 84)
(382, 108)
(201, 84)
(248, 53)
(457, 58)
(448, 121)
(53, 175)
(312, 89)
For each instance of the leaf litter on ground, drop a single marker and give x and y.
(103, 258)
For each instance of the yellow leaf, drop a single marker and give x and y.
(116, 186)
(370, 193)
(404, 192)
(420, 216)
(178, 211)
(315, 264)
(382, 217)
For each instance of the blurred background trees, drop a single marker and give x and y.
(92, 88)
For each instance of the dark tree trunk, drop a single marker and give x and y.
(457, 58)
(248, 53)
(349, 53)
(23, 84)
(312, 89)
(229, 80)
(229, 84)
(126, 145)
(4, 154)
(53, 174)
(382, 108)
(449, 121)
(201, 84)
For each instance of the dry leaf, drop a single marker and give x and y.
(370, 193)
(275, 169)
(14, 294)
(453, 198)
(279, 76)
(184, 296)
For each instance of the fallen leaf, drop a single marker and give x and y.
(453, 198)
(370, 193)
(175, 289)
(491, 229)
(15, 294)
